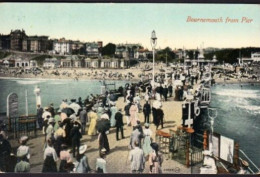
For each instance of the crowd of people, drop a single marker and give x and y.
(64, 127)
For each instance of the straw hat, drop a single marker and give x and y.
(21, 153)
(51, 120)
(244, 163)
(24, 138)
(103, 151)
(82, 149)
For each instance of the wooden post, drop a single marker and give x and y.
(205, 140)
(236, 155)
(187, 153)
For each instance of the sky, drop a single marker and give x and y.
(134, 23)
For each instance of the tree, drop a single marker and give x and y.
(161, 55)
(109, 50)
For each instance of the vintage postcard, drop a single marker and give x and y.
(129, 88)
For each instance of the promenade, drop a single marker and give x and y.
(117, 159)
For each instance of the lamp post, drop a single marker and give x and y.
(153, 44)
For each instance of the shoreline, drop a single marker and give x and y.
(217, 81)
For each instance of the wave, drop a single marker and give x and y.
(250, 109)
(28, 82)
(239, 93)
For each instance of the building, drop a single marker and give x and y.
(107, 63)
(126, 51)
(51, 63)
(76, 45)
(4, 42)
(19, 62)
(142, 53)
(72, 61)
(33, 63)
(62, 46)
(35, 44)
(16, 39)
(92, 49)
(255, 57)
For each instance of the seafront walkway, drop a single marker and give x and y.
(117, 159)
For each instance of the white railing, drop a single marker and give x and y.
(251, 162)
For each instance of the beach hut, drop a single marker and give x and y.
(19, 62)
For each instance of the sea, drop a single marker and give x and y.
(238, 106)
(238, 116)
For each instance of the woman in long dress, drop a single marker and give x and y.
(147, 132)
(155, 159)
(93, 121)
(113, 110)
(133, 114)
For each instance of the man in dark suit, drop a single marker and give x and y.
(119, 124)
(170, 90)
(39, 116)
(160, 116)
(83, 120)
(165, 92)
(51, 110)
(147, 112)
(75, 137)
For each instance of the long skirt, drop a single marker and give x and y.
(92, 127)
(147, 145)
(103, 142)
(49, 165)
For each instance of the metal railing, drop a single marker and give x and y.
(23, 125)
(252, 165)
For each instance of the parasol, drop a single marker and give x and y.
(68, 111)
(75, 107)
(103, 125)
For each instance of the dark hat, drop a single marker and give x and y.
(73, 100)
(155, 146)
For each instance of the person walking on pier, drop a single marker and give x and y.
(160, 116)
(101, 162)
(147, 112)
(137, 159)
(23, 148)
(83, 120)
(133, 114)
(170, 90)
(50, 159)
(75, 137)
(127, 113)
(39, 116)
(147, 140)
(83, 165)
(165, 92)
(93, 121)
(113, 111)
(103, 142)
(155, 159)
(23, 166)
(119, 124)
(136, 136)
